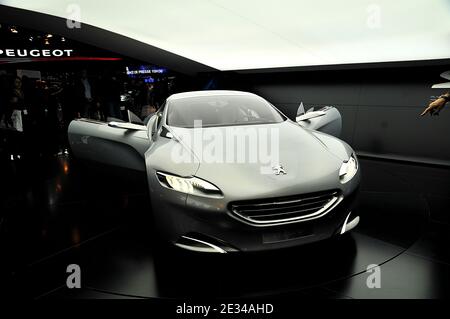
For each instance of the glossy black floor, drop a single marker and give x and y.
(54, 213)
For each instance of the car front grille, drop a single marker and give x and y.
(282, 210)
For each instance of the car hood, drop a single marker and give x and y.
(310, 162)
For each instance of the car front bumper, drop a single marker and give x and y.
(208, 225)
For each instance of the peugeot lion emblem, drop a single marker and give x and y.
(279, 170)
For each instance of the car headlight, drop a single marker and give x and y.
(348, 169)
(189, 185)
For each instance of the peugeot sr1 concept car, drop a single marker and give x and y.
(229, 200)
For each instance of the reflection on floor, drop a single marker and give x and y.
(55, 212)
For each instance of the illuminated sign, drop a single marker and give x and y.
(36, 53)
(145, 70)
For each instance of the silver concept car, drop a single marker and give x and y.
(227, 171)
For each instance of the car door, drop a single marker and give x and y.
(326, 119)
(118, 144)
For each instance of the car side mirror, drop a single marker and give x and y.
(309, 115)
(127, 126)
(152, 126)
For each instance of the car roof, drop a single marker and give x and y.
(208, 93)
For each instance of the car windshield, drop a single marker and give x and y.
(221, 110)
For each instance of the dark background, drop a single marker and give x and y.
(380, 107)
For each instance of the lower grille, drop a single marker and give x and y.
(273, 211)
